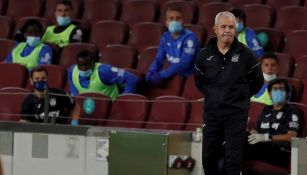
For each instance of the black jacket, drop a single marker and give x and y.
(227, 81)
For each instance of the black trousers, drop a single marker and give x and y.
(220, 128)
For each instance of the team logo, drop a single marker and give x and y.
(190, 43)
(235, 58)
(209, 58)
(294, 118)
(114, 69)
(279, 114)
(52, 101)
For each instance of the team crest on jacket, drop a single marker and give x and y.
(52, 101)
(235, 58)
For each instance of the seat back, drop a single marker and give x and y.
(6, 46)
(20, 8)
(196, 116)
(199, 31)
(18, 75)
(190, 91)
(259, 15)
(296, 88)
(254, 113)
(295, 45)
(275, 38)
(7, 25)
(242, 3)
(300, 68)
(188, 8)
(286, 64)
(278, 4)
(146, 57)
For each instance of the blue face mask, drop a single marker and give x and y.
(40, 85)
(86, 73)
(278, 96)
(240, 26)
(63, 21)
(174, 27)
(33, 40)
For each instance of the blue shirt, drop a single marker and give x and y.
(253, 43)
(108, 75)
(180, 53)
(45, 55)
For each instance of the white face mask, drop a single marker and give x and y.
(268, 77)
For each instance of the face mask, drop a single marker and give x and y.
(63, 21)
(278, 96)
(40, 85)
(268, 77)
(240, 26)
(87, 73)
(174, 26)
(33, 40)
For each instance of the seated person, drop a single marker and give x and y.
(60, 106)
(269, 65)
(32, 52)
(65, 31)
(88, 76)
(245, 34)
(179, 46)
(278, 123)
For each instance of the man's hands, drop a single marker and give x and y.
(256, 138)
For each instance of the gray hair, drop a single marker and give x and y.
(225, 13)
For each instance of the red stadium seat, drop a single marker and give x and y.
(3, 7)
(168, 113)
(190, 91)
(286, 64)
(196, 115)
(21, 8)
(300, 68)
(259, 15)
(129, 111)
(295, 45)
(241, 3)
(12, 75)
(278, 4)
(275, 37)
(296, 88)
(254, 113)
(6, 46)
(7, 25)
(146, 57)
(199, 31)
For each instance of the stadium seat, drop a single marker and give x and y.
(97, 10)
(137, 11)
(241, 3)
(295, 44)
(50, 6)
(102, 105)
(207, 13)
(109, 32)
(300, 68)
(286, 64)
(21, 22)
(56, 77)
(3, 7)
(200, 2)
(13, 75)
(7, 25)
(291, 18)
(253, 114)
(69, 53)
(188, 10)
(259, 15)
(278, 4)
(199, 31)
(145, 34)
(196, 115)
(11, 99)
(275, 36)
(146, 57)
(21, 8)
(168, 113)
(121, 56)
(296, 89)
(6, 46)
(128, 111)
(190, 91)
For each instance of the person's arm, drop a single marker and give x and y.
(45, 55)
(72, 88)
(189, 49)
(9, 57)
(112, 75)
(158, 61)
(254, 73)
(253, 43)
(199, 76)
(26, 110)
(76, 36)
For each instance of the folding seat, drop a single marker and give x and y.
(278, 4)
(129, 111)
(98, 116)
(296, 88)
(6, 46)
(12, 75)
(121, 56)
(96, 10)
(146, 57)
(196, 115)
(70, 52)
(188, 10)
(259, 15)
(275, 36)
(3, 4)
(56, 77)
(11, 99)
(255, 110)
(241, 3)
(145, 34)
(296, 44)
(6, 24)
(168, 113)
(50, 6)
(21, 8)
(207, 13)
(190, 91)
(172, 86)
(300, 68)
(21, 22)
(137, 11)
(109, 32)
(286, 64)
(291, 18)
(200, 32)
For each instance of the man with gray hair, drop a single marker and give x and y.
(228, 74)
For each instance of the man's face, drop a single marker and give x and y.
(269, 66)
(62, 10)
(39, 76)
(225, 29)
(33, 31)
(173, 16)
(84, 64)
(280, 86)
